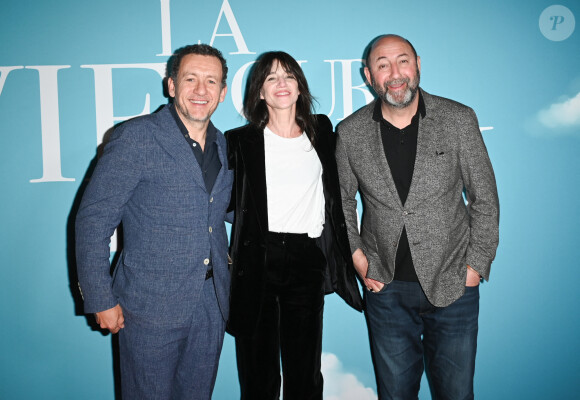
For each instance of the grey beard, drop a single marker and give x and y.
(410, 93)
(408, 99)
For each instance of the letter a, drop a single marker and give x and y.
(236, 33)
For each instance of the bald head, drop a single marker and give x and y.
(383, 39)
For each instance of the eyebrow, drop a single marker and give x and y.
(399, 56)
(186, 74)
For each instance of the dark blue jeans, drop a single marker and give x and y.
(408, 334)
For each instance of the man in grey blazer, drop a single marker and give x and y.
(422, 247)
(165, 177)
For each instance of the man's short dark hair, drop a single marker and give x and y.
(174, 62)
(371, 46)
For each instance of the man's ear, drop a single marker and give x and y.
(170, 87)
(368, 76)
(223, 93)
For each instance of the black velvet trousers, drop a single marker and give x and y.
(290, 324)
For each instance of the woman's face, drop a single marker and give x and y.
(280, 89)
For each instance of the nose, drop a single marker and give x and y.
(281, 81)
(395, 73)
(200, 87)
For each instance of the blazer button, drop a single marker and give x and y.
(394, 244)
(211, 200)
(206, 261)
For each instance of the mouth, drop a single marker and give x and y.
(397, 85)
(199, 102)
(283, 93)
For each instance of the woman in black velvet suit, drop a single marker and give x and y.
(289, 244)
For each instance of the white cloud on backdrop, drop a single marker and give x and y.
(342, 385)
(565, 114)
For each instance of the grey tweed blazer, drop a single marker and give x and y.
(445, 234)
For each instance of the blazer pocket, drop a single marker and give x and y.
(443, 161)
(442, 158)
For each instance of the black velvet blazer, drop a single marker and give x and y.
(248, 236)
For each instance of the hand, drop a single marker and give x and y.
(473, 278)
(361, 264)
(111, 319)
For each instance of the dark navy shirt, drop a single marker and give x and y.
(208, 158)
(400, 146)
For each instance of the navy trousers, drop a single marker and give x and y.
(173, 362)
(290, 324)
(408, 333)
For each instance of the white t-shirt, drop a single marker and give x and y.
(294, 185)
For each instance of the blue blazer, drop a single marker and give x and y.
(173, 229)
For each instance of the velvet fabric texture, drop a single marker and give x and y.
(250, 228)
(279, 280)
(290, 324)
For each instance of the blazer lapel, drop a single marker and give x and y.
(323, 153)
(376, 155)
(252, 151)
(173, 142)
(426, 147)
(224, 161)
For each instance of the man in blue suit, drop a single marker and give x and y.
(165, 177)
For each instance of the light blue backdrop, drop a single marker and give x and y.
(70, 69)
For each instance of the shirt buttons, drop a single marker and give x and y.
(206, 261)
(194, 144)
(210, 230)
(405, 212)
(211, 200)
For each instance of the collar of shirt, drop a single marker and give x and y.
(208, 159)
(378, 113)
(210, 136)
